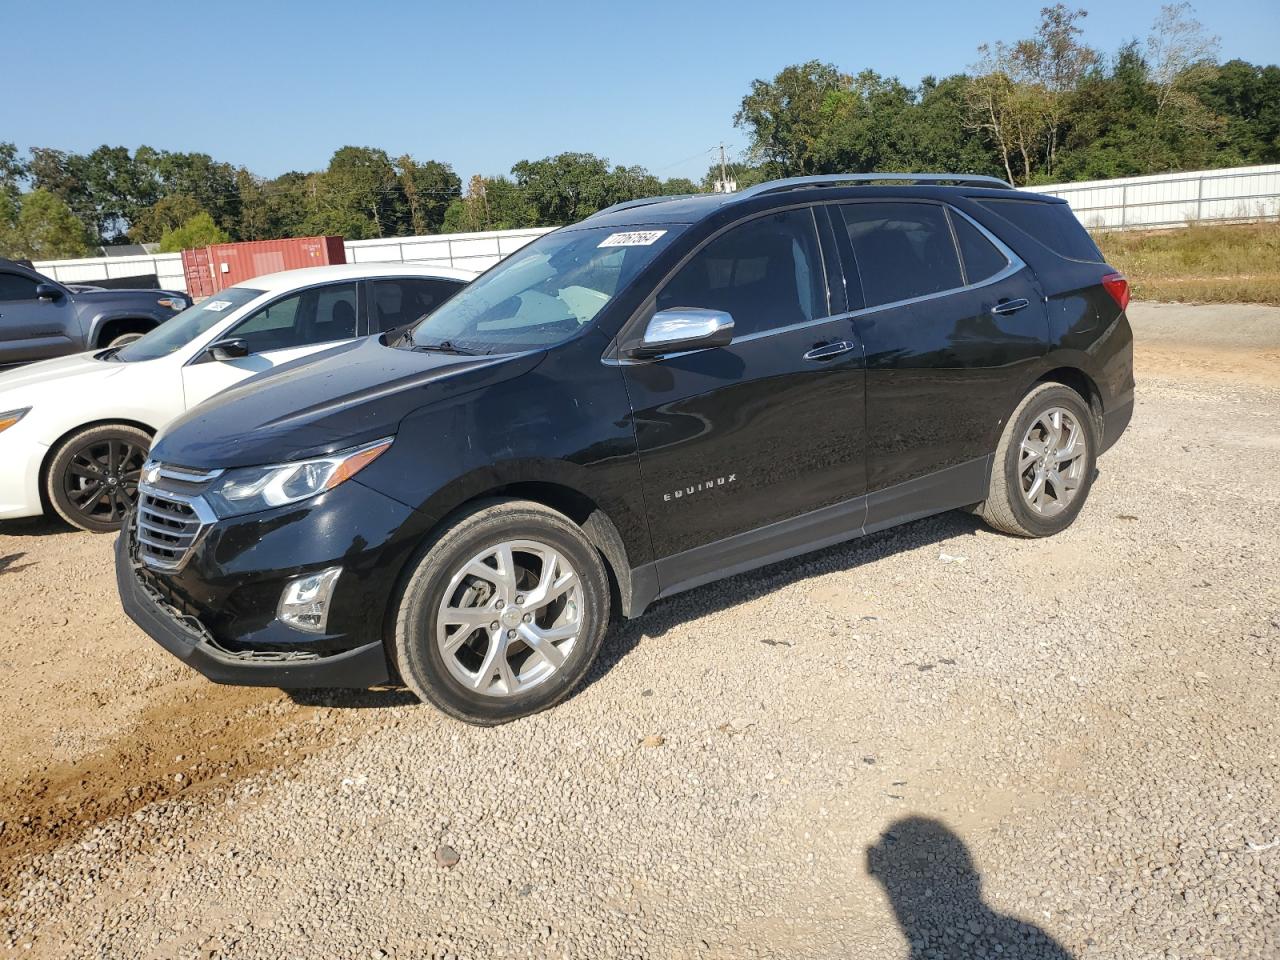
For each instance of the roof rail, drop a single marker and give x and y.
(641, 202)
(833, 179)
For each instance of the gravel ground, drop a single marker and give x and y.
(934, 742)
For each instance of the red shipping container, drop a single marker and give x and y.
(213, 268)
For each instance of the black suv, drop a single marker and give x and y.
(669, 392)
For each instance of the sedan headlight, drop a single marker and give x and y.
(249, 489)
(9, 418)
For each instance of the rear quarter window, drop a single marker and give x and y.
(1053, 224)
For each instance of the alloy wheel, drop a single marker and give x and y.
(509, 618)
(101, 481)
(1052, 461)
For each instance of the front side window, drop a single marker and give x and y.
(766, 273)
(192, 322)
(401, 301)
(545, 292)
(14, 286)
(317, 315)
(903, 250)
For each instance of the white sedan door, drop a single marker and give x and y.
(293, 326)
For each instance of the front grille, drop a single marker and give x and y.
(169, 522)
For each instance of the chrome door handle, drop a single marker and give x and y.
(827, 351)
(1006, 307)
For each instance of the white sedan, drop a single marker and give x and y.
(75, 431)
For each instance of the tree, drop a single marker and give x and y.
(166, 214)
(429, 188)
(12, 173)
(358, 197)
(788, 117)
(568, 187)
(1179, 53)
(199, 231)
(1054, 61)
(491, 203)
(44, 228)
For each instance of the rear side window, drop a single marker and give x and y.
(903, 250)
(767, 273)
(1053, 224)
(981, 258)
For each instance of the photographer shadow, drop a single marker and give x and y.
(936, 892)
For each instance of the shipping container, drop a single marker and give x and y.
(213, 268)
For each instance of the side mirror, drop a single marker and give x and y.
(684, 328)
(48, 292)
(232, 349)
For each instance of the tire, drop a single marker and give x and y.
(106, 458)
(123, 340)
(484, 676)
(1015, 503)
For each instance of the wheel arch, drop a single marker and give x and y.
(106, 326)
(579, 506)
(1083, 384)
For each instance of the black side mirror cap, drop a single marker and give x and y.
(231, 349)
(48, 292)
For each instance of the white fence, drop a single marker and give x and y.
(473, 250)
(1173, 199)
(1167, 200)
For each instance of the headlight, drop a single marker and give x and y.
(8, 419)
(249, 489)
(173, 303)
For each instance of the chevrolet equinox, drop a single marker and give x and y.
(672, 391)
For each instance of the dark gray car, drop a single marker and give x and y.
(40, 318)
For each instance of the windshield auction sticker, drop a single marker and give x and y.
(636, 238)
(217, 306)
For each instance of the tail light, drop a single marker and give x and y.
(1118, 287)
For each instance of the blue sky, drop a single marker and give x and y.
(279, 86)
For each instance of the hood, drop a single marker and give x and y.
(342, 397)
(57, 374)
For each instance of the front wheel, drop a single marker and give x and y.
(502, 615)
(124, 340)
(1044, 464)
(93, 477)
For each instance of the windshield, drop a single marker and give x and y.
(544, 292)
(187, 325)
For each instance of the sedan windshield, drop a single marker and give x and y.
(543, 293)
(187, 325)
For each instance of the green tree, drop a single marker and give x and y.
(44, 228)
(491, 203)
(788, 117)
(358, 197)
(568, 187)
(429, 188)
(199, 231)
(166, 214)
(13, 171)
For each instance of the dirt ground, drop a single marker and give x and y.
(102, 728)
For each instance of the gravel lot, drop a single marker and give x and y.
(933, 742)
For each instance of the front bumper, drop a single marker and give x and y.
(183, 636)
(218, 613)
(20, 477)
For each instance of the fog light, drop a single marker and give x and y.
(304, 605)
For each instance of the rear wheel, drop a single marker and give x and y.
(503, 614)
(1044, 464)
(93, 477)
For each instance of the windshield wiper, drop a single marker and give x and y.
(444, 346)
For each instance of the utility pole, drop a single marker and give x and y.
(724, 184)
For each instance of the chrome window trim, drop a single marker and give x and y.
(1014, 265)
